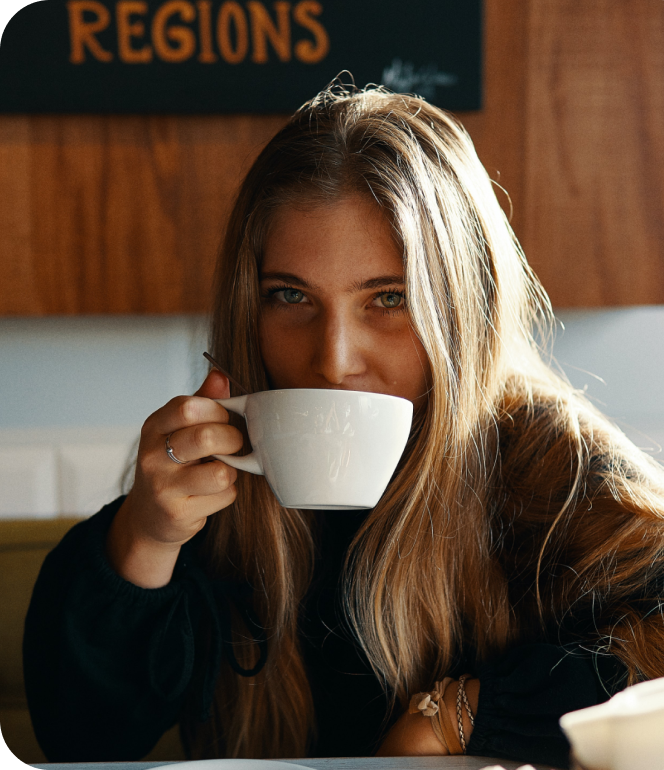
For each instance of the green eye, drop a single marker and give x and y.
(293, 296)
(390, 300)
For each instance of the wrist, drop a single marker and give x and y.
(139, 559)
(473, 693)
(452, 701)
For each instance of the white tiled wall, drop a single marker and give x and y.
(75, 391)
(29, 481)
(62, 472)
(91, 475)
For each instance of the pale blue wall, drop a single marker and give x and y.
(116, 370)
(96, 371)
(624, 350)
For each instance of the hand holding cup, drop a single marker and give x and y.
(173, 495)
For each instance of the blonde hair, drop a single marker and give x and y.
(516, 503)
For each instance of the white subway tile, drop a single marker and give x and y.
(90, 475)
(28, 482)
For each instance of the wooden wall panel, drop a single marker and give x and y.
(117, 214)
(499, 129)
(594, 184)
(17, 268)
(123, 214)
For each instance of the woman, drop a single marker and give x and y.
(520, 541)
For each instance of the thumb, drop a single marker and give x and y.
(215, 385)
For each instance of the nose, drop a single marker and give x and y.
(338, 353)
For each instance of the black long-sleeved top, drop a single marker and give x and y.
(109, 666)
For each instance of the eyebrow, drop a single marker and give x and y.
(378, 282)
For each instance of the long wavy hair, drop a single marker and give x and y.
(517, 507)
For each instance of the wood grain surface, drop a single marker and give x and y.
(498, 129)
(123, 214)
(119, 214)
(594, 185)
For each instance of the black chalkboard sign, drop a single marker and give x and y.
(213, 56)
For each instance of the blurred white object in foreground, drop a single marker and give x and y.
(500, 767)
(625, 733)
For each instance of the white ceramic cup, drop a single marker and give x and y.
(323, 449)
(625, 733)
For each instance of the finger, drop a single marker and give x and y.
(181, 412)
(200, 441)
(206, 505)
(194, 507)
(204, 479)
(189, 410)
(215, 385)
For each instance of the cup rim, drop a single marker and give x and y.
(330, 390)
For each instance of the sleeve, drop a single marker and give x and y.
(524, 693)
(108, 665)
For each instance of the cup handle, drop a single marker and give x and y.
(250, 462)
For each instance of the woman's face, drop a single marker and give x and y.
(333, 304)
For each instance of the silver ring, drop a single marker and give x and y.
(169, 451)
